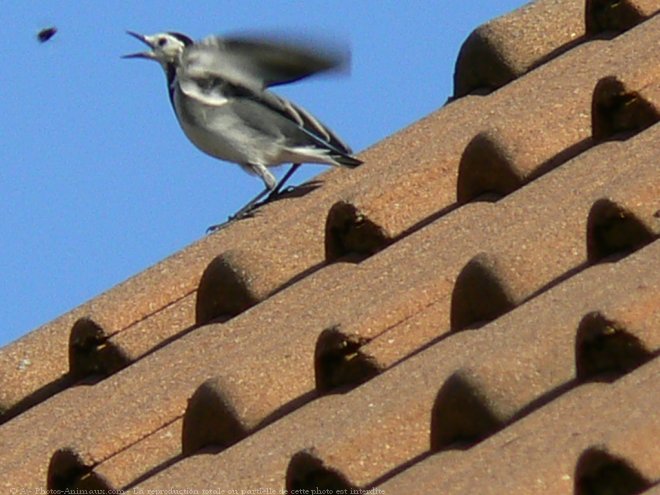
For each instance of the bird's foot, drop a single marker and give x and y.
(218, 227)
(250, 210)
(277, 194)
(239, 215)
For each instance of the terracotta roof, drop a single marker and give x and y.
(473, 310)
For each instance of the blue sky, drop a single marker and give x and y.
(97, 182)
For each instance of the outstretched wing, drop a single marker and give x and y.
(216, 69)
(257, 63)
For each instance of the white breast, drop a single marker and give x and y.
(211, 125)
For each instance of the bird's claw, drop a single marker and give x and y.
(217, 227)
(278, 194)
(241, 215)
(250, 212)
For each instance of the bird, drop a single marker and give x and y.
(46, 33)
(219, 90)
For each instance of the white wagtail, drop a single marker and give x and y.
(218, 89)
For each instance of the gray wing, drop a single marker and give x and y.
(241, 68)
(218, 93)
(257, 63)
(306, 122)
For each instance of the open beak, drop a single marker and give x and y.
(148, 55)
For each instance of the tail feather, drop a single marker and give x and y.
(324, 138)
(346, 160)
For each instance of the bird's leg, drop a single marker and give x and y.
(271, 185)
(278, 188)
(245, 211)
(273, 190)
(269, 181)
(242, 213)
(251, 205)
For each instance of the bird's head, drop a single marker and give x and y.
(165, 47)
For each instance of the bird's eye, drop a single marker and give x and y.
(162, 41)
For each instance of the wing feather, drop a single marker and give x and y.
(216, 69)
(257, 63)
